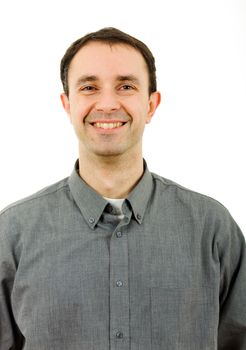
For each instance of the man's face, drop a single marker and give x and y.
(108, 101)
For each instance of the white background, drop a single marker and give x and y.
(197, 137)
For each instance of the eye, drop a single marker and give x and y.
(87, 88)
(127, 87)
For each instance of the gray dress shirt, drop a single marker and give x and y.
(170, 275)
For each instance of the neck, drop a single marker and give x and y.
(111, 177)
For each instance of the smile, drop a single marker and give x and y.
(108, 125)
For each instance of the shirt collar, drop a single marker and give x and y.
(140, 195)
(92, 204)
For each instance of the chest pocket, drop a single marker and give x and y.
(183, 318)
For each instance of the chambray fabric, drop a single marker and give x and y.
(171, 275)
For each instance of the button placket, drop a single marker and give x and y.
(119, 292)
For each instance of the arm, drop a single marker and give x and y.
(10, 337)
(232, 255)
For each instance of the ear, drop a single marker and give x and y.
(154, 101)
(65, 103)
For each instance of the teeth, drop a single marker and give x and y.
(108, 125)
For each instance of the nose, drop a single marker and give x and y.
(107, 102)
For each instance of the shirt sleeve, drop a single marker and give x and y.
(232, 255)
(10, 336)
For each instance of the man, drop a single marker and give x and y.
(115, 257)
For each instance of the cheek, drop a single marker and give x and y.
(141, 112)
(79, 111)
(138, 107)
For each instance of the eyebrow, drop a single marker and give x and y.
(132, 78)
(85, 78)
(121, 78)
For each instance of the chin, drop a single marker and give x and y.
(108, 153)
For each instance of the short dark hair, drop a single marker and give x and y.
(110, 36)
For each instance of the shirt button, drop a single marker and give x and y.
(119, 234)
(119, 283)
(119, 335)
(91, 220)
(139, 217)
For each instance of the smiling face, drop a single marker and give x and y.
(109, 102)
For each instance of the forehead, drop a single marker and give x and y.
(104, 60)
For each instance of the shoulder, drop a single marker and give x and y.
(21, 219)
(201, 205)
(184, 193)
(36, 200)
(213, 218)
